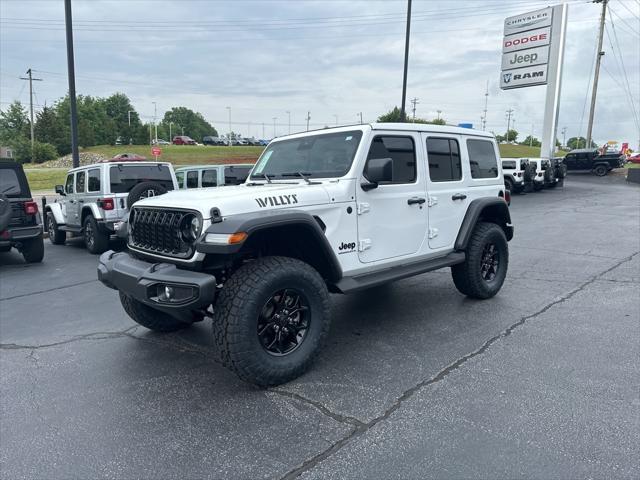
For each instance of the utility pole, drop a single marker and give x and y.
(263, 135)
(289, 114)
(403, 114)
(274, 126)
(170, 137)
(249, 129)
(509, 113)
(68, 22)
(31, 80)
(308, 118)
(596, 74)
(439, 112)
(531, 137)
(414, 102)
(155, 123)
(564, 137)
(360, 118)
(486, 102)
(230, 131)
(336, 119)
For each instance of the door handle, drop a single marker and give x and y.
(458, 196)
(80, 201)
(418, 200)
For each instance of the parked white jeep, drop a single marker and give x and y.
(95, 200)
(337, 210)
(517, 174)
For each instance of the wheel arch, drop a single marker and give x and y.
(90, 210)
(494, 210)
(56, 210)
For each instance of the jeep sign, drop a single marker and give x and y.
(523, 77)
(525, 49)
(525, 58)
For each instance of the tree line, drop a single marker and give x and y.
(101, 121)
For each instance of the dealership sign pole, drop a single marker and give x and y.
(532, 54)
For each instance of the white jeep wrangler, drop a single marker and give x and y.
(337, 210)
(95, 200)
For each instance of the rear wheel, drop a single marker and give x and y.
(56, 236)
(509, 184)
(149, 317)
(600, 170)
(95, 240)
(485, 267)
(33, 249)
(271, 319)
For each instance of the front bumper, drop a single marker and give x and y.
(146, 281)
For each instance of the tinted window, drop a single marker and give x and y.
(192, 179)
(509, 164)
(523, 164)
(180, 179)
(401, 150)
(210, 178)
(444, 159)
(482, 158)
(124, 177)
(68, 186)
(323, 155)
(80, 177)
(9, 182)
(94, 180)
(235, 175)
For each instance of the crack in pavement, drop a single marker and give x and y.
(62, 287)
(441, 375)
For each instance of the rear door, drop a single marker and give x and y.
(447, 199)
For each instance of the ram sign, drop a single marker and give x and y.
(525, 49)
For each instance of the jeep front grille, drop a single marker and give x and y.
(159, 231)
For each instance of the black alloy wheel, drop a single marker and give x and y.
(283, 322)
(489, 262)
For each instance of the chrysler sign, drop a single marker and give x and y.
(525, 49)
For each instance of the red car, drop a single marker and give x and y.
(183, 140)
(634, 158)
(127, 157)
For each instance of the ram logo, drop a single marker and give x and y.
(506, 77)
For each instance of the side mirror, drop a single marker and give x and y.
(379, 170)
(60, 190)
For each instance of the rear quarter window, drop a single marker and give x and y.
(10, 183)
(509, 164)
(482, 158)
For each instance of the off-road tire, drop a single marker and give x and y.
(150, 318)
(139, 192)
(56, 236)
(600, 170)
(238, 307)
(509, 184)
(5, 212)
(467, 276)
(537, 186)
(96, 241)
(33, 249)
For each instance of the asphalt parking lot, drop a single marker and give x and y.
(416, 381)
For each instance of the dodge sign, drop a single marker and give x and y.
(525, 49)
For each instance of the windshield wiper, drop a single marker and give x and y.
(304, 175)
(266, 177)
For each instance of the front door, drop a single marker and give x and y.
(447, 194)
(392, 217)
(69, 200)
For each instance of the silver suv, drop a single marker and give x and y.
(95, 200)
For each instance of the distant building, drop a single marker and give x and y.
(6, 152)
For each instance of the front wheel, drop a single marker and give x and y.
(509, 184)
(482, 273)
(56, 236)
(271, 319)
(600, 170)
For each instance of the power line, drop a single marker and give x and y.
(629, 10)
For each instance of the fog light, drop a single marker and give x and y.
(174, 293)
(168, 292)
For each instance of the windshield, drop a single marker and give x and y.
(325, 155)
(125, 177)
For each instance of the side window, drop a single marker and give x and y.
(236, 175)
(80, 181)
(68, 186)
(444, 159)
(192, 179)
(180, 179)
(508, 164)
(94, 180)
(482, 157)
(210, 178)
(401, 150)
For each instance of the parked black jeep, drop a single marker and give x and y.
(590, 159)
(20, 222)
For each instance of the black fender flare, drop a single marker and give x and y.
(261, 221)
(497, 211)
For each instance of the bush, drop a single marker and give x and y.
(43, 152)
(22, 150)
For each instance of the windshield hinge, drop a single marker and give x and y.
(363, 208)
(364, 244)
(433, 233)
(432, 201)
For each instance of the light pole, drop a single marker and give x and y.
(274, 126)
(360, 114)
(439, 112)
(336, 119)
(129, 116)
(289, 114)
(308, 118)
(230, 132)
(564, 137)
(170, 137)
(403, 115)
(155, 123)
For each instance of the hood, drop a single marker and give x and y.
(233, 200)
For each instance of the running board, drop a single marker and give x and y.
(66, 228)
(367, 280)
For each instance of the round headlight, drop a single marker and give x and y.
(190, 228)
(195, 227)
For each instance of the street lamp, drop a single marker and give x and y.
(274, 126)
(230, 143)
(155, 123)
(439, 112)
(336, 119)
(289, 113)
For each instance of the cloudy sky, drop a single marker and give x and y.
(333, 58)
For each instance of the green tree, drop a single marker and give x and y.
(511, 135)
(579, 142)
(392, 116)
(48, 128)
(531, 141)
(438, 121)
(193, 123)
(125, 120)
(14, 122)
